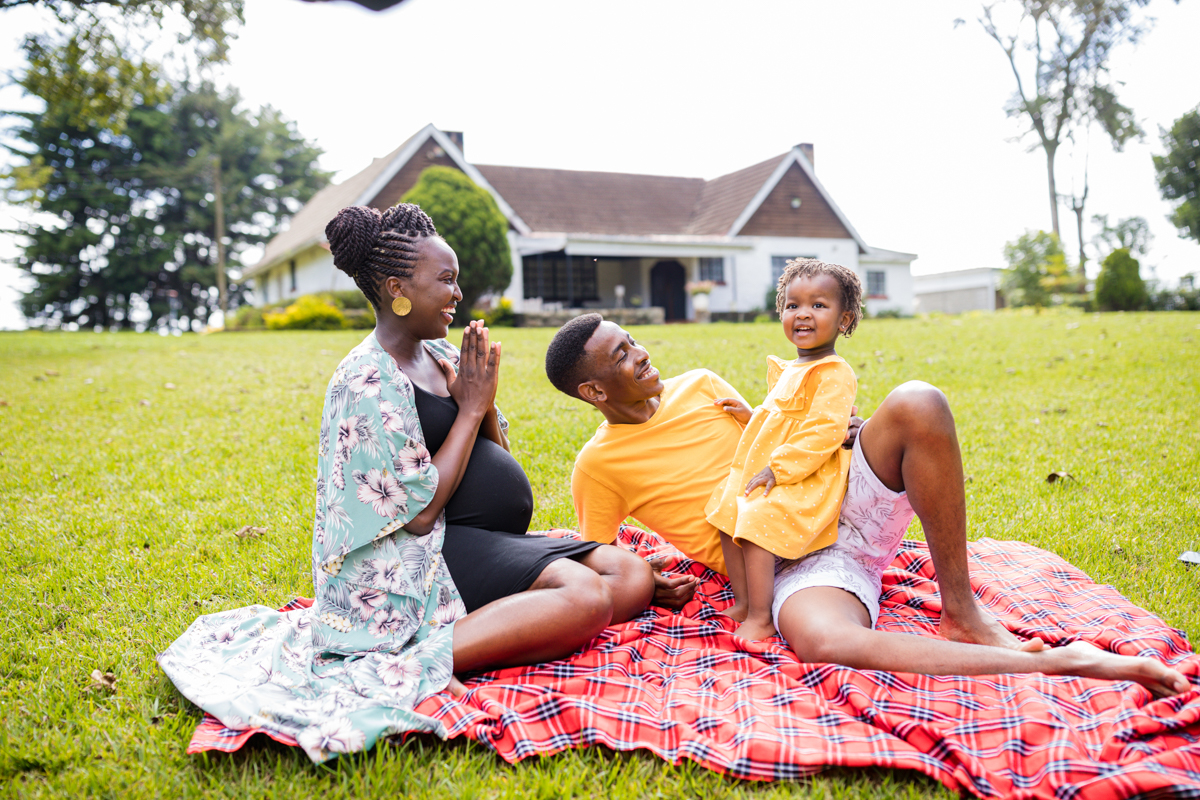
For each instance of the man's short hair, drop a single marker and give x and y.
(566, 359)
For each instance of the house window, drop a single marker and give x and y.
(876, 283)
(292, 273)
(712, 269)
(545, 276)
(778, 264)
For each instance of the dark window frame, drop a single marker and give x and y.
(552, 284)
(877, 284)
(712, 268)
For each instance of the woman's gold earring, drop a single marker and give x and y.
(401, 306)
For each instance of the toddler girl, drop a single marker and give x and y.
(792, 446)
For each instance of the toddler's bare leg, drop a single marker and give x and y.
(760, 591)
(735, 565)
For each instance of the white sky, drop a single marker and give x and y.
(905, 109)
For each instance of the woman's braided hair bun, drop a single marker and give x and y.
(371, 247)
(352, 234)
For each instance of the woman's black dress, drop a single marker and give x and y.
(486, 549)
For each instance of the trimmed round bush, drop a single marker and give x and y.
(1120, 287)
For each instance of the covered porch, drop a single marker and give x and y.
(561, 273)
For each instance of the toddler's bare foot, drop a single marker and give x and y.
(981, 627)
(755, 630)
(1092, 662)
(737, 612)
(456, 687)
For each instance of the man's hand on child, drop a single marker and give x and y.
(852, 432)
(735, 407)
(766, 478)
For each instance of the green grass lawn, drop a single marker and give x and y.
(127, 461)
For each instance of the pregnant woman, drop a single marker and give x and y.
(421, 562)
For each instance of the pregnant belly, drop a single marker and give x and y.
(494, 493)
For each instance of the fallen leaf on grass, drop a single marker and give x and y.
(143, 402)
(249, 532)
(102, 682)
(53, 373)
(1054, 477)
(4, 403)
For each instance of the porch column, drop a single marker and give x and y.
(570, 285)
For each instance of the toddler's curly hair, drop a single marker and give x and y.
(810, 267)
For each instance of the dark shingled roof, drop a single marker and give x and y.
(570, 201)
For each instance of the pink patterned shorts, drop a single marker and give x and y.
(872, 523)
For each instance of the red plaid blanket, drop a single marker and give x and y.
(680, 686)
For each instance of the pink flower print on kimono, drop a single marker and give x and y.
(412, 459)
(366, 382)
(382, 491)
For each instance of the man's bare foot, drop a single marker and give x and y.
(456, 687)
(983, 628)
(737, 612)
(755, 630)
(1089, 661)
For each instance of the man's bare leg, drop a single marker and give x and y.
(911, 444)
(735, 565)
(828, 625)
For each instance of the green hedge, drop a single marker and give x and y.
(321, 311)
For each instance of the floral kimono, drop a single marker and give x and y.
(377, 641)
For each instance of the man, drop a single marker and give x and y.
(665, 445)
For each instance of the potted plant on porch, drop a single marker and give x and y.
(699, 290)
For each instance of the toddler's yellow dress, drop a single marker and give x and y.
(798, 432)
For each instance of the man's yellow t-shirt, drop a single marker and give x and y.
(662, 471)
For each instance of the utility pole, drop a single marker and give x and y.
(217, 192)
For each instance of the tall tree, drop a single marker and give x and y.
(1058, 51)
(1178, 173)
(471, 222)
(126, 216)
(1131, 233)
(211, 24)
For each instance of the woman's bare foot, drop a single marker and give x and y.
(737, 612)
(456, 687)
(755, 630)
(1089, 661)
(982, 628)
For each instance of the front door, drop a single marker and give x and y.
(668, 281)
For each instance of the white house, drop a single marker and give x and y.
(961, 290)
(577, 236)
